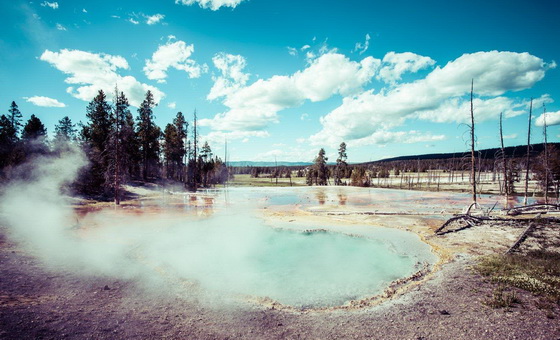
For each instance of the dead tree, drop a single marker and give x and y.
(473, 160)
(528, 154)
(504, 161)
(546, 167)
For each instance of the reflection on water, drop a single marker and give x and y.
(364, 199)
(321, 197)
(342, 198)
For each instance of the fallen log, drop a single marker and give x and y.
(473, 221)
(533, 209)
(521, 238)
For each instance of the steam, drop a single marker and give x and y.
(230, 253)
(41, 219)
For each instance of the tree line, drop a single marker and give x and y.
(118, 146)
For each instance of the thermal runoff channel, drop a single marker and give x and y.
(220, 248)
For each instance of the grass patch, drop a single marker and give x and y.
(502, 298)
(537, 272)
(248, 181)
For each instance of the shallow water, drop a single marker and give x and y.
(301, 269)
(221, 239)
(231, 249)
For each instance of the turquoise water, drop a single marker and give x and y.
(325, 269)
(238, 254)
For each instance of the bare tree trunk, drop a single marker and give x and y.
(504, 162)
(473, 160)
(528, 154)
(546, 170)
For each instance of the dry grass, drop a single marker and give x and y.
(502, 297)
(248, 181)
(537, 272)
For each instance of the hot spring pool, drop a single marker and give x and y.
(227, 246)
(241, 256)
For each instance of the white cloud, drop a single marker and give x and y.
(154, 19)
(172, 55)
(84, 10)
(60, 27)
(304, 116)
(440, 97)
(552, 118)
(135, 22)
(541, 101)
(255, 106)
(232, 77)
(44, 101)
(172, 105)
(53, 5)
(212, 4)
(384, 137)
(396, 64)
(494, 73)
(361, 48)
(511, 136)
(286, 154)
(457, 110)
(294, 51)
(219, 137)
(92, 72)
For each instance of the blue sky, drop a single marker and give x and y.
(281, 79)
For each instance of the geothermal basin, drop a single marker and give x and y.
(300, 248)
(230, 242)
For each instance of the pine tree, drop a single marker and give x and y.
(182, 127)
(341, 163)
(148, 134)
(7, 130)
(171, 151)
(15, 117)
(95, 137)
(319, 169)
(34, 130)
(96, 132)
(205, 163)
(8, 140)
(34, 137)
(131, 144)
(64, 131)
(118, 154)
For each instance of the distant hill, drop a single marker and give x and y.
(511, 151)
(267, 164)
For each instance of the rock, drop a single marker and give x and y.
(444, 312)
(106, 288)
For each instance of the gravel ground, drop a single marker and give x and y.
(36, 303)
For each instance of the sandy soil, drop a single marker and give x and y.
(445, 304)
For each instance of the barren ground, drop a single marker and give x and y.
(446, 304)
